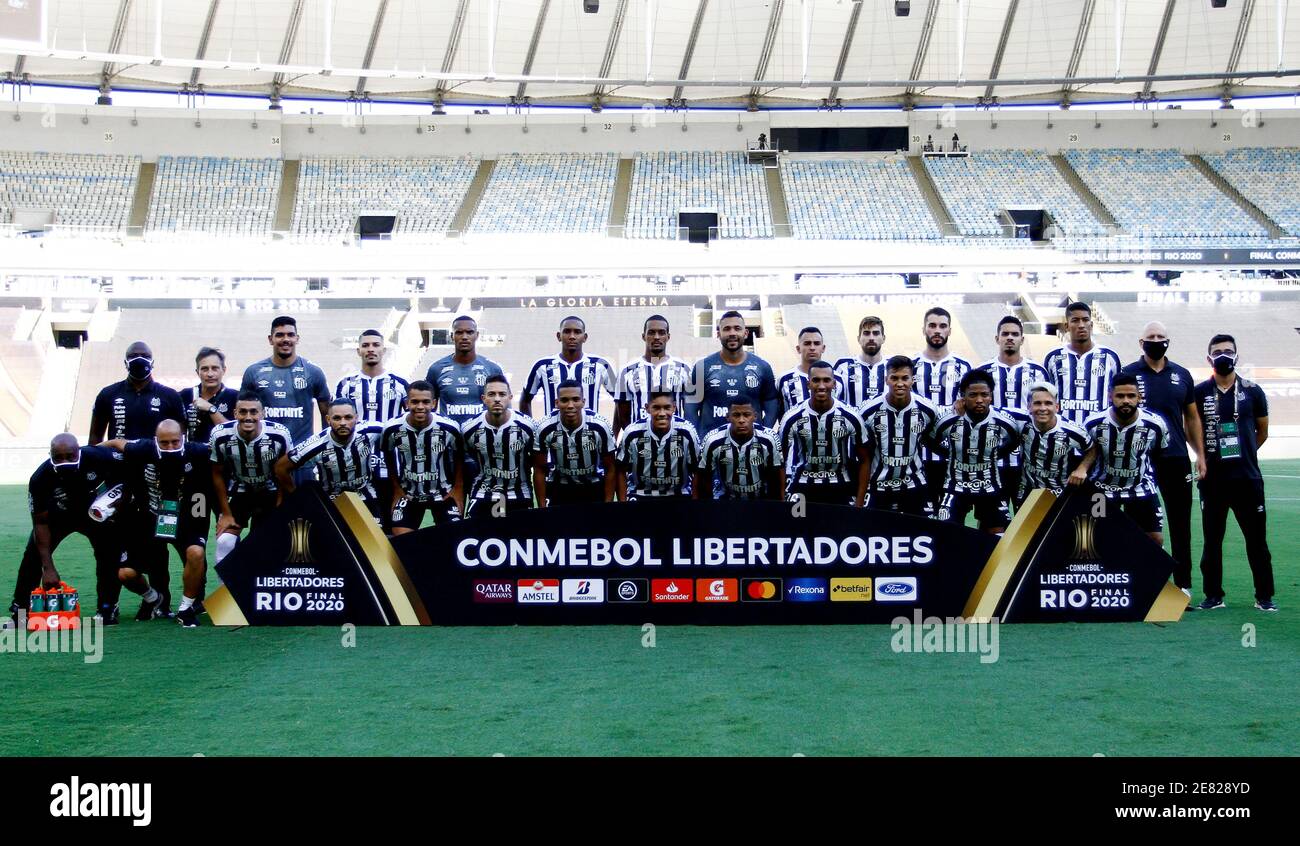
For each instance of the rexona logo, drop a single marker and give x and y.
(628, 590)
(485, 591)
(850, 590)
(760, 590)
(671, 590)
(583, 590)
(93, 799)
(896, 589)
(717, 590)
(805, 590)
(538, 591)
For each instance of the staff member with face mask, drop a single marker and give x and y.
(134, 407)
(1234, 417)
(1167, 389)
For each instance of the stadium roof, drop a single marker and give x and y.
(755, 53)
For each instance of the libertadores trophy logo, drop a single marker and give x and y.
(1085, 539)
(299, 543)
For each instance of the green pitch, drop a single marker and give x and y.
(1190, 688)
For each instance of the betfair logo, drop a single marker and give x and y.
(299, 543)
(851, 590)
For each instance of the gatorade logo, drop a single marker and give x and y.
(717, 590)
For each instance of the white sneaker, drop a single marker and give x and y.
(1187, 592)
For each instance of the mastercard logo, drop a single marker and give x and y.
(761, 590)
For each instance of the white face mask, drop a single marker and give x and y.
(162, 451)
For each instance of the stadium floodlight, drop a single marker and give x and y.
(591, 7)
(1218, 4)
(902, 8)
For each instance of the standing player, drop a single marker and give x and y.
(1050, 445)
(655, 370)
(1234, 414)
(657, 457)
(938, 375)
(898, 423)
(1167, 389)
(171, 492)
(134, 407)
(825, 444)
(591, 372)
(345, 454)
(792, 387)
(741, 461)
(379, 396)
(209, 402)
(1081, 370)
(720, 378)
(458, 379)
(1012, 375)
(243, 453)
(863, 378)
(579, 447)
(59, 496)
(502, 443)
(423, 451)
(972, 443)
(1124, 439)
(288, 384)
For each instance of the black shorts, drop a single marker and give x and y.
(1143, 510)
(409, 513)
(831, 493)
(248, 507)
(481, 509)
(902, 500)
(992, 511)
(571, 494)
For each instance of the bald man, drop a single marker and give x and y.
(59, 496)
(134, 407)
(170, 482)
(1167, 389)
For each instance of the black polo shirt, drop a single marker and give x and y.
(1166, 393)
(135, 414)
(67, 498)
(1241, 404)
(199, 423)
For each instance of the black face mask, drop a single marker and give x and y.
(1224, 363)
(139, 367)
(1155, 350)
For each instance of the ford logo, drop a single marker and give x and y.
(894, 589)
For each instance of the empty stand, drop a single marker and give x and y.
(215, 196)
(83, 191)
(664, 184)
(559, 193)
(1267, 177)
(857, 199)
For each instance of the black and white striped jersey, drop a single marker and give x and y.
(937, 381)
(504, 455)
(423, 461)
(1048, 457)
(896, 437)
(378, 398)
(1082, 380)
(1011, 382)
(821, 447)
(792, 388)
(971, 450)
(659, 465)
(575, 456)
(343, 467)
(640, 378)
(590, 371)
(249, 465)
(741, 470)
(860, 382)
(1123, 467)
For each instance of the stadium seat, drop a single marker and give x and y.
(83, 191)
(664, 183)
(1266, 176)
(223, 197)
(875, 199)
(548, 193)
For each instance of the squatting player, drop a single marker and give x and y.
(575, 454)
(243, 453)
(502, 443)
(345, 454)
(972, 443)
(658, 456)
(1050, 445)
(423, 450)
(1124, 439)
(742, 461)
(897, 424)
(825, 444)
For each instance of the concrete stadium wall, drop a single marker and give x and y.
(151, 133)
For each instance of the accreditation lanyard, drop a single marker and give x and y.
(1230, 433)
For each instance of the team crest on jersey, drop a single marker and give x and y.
(1098, 369)
(155, 403)
(299, 383)
(754, 458)
(589, 378)
(751, 380)
(480, 379)
(1173, 378)
(839, 428)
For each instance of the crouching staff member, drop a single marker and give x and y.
(579, 446)
(424, 452)
(243, 453)
(345, 456)
(171, 492)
